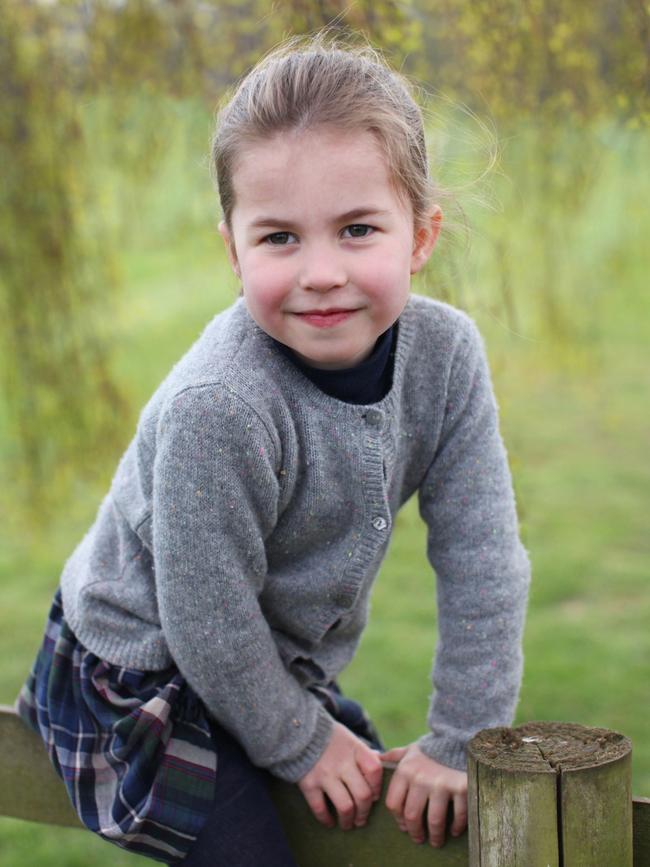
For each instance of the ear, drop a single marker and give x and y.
(424, 239)
(226, 234)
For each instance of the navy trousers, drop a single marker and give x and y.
(243, 828)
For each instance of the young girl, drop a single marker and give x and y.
(201, 624)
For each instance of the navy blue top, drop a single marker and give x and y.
(366, 382)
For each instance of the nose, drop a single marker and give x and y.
(321, 269)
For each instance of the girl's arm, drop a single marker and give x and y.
(215, 502)
(482, 569)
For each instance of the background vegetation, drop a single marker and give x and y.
(111, 266)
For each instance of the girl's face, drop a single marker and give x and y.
(322, 243)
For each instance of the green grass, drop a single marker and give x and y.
(575, 420)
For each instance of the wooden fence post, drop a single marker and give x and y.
(550, 794)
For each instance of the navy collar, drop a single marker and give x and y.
(366, 382)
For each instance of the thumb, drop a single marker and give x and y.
(394, 755)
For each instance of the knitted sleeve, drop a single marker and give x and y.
(215, 502)
(482, 569)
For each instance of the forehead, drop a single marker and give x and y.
(321, 170)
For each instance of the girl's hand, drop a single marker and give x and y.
(350, 774)
(418, 781)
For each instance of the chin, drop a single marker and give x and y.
(325, 362)
(336, 363)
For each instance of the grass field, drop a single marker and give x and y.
(575, 420)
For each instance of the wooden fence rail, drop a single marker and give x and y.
(31, 790)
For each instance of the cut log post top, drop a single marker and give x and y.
(550, 795)
(545, 746)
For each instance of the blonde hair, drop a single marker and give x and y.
(309, 82)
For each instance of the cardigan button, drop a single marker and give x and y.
(374, 417)
(379, 523)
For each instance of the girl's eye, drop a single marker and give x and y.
(278, 239)
(359, 230)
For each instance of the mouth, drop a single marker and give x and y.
(326, 318)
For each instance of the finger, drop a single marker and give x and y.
(395, 797)
(373, 771)
(437, 818)
(343, 804)
(362, 796)
(414, 807)
(460, 815)
(394, 755)
(317, 804)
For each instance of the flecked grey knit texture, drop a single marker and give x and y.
(248, 518)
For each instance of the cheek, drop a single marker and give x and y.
(387, 275)
(266, 284)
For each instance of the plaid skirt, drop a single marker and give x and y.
(135, 748)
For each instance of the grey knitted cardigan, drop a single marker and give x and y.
(248, 518)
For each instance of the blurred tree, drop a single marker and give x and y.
(553, 71)
(523, 57)
(62, 409)
(55, 271)
(550, 63)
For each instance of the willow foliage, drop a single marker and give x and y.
(558, 58)
(555, 71)
(542, 59)
(59, 268)
(55, 270)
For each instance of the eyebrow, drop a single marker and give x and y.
(354, 214)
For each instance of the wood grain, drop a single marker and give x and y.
(550, 794)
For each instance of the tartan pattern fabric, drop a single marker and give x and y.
(134, 748)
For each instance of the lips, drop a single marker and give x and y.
(326, 318)
(330, 311)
